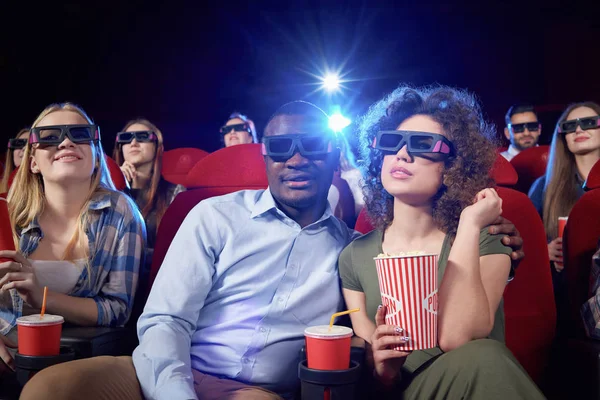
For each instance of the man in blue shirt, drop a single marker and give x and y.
(245, 275)
(234, 286)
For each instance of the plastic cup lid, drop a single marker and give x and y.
(323, 332)
(35, 320)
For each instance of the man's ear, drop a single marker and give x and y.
(507, 134)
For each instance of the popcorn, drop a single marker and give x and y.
(403, 254)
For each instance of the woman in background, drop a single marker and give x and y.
(139, 151)
(574, 150)
(238, 129)
(14, 155)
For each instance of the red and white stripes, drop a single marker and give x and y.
(408, 288)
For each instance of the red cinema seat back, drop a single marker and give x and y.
(177, 163)
(579, 244)
(116, 174)
(530, 164)
(225, 171)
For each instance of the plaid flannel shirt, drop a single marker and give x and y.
(116, 235)
(590, 311)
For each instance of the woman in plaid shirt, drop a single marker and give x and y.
(76, 234)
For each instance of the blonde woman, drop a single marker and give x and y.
(14, 155)
(139, 150)
(574, 150)
(75, 233)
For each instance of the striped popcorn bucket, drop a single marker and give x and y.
(408, 286)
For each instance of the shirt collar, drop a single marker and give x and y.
(99, 201)
(513, 151)
(266, 203)
(580, 180)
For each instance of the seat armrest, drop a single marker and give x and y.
(98, 341)
(581, 358)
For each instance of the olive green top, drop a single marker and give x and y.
(358, 272)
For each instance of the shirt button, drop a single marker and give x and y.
(263, 330)
(245, 360)
(280, 299)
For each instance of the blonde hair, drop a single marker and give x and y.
(560, 189)
(156, 195)
(10, 165)
(26, 197)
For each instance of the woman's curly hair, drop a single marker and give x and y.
(465, 174)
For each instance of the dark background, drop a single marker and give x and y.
(186, 66)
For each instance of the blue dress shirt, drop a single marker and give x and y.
(238, 286)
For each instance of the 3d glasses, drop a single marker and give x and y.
(284, 146)
(585, 123)
(140, 136)
(520, 128)
(55, 134)
(16, 144)
(237, 128)
(417, 143)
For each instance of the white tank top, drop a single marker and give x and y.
(59, 276)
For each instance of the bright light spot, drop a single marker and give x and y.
(331, 82)
(337, 122)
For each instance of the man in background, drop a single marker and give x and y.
(522, 129)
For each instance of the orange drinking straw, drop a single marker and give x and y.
(334, 316)
(44, 302)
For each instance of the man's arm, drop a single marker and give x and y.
(165, 329)
(513, 239)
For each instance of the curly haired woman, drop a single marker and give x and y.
(427, 187)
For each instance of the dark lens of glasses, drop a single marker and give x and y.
(125, 137)
(389, 140)
(237, 128)
(520, 128)
(17, 143)
(314, 144)
(569, 126)
(81, 134)
(421, 143)
(142, 136)
(532, 126)
(49, 134)
(588, 123)
(282, 145)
